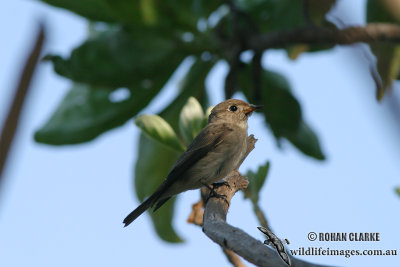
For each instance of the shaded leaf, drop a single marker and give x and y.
(156, 13)
(387, 55)
(168, 15)
(295, 50)
(92, 9)
(306, 141)
(162, 221)
(86, 112)
(206, 115)
(397, 189)
(192, 85)
(119, 58)
(256, 182)
(191, 119)
(388, 66)
(153, 163)
(136, 13)
(183, 14)
(318, 10)
(158, 129)
(275, 15)
(282, 110)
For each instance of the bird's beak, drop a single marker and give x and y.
(250, 109)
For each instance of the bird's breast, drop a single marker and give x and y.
(219, 162)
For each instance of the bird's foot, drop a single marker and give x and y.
(215, 194)
(221, 183)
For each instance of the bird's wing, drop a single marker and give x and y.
(207, 140)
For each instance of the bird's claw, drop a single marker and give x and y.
(215, 194)
(221, 183)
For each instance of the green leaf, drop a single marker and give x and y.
(387, 55)
(191, 119)
(158, 129)
(118, 58)
(282, 110)
(256, 182)
(86, 112)
(388, 66)
(152, 166)
(162, 222)
(206, 115)
(397, 189)
(178, 14)
(318, 10)
(137, 13)
(306, 141)
(169, 15)
(275, 14)
(383, 11)
(192, 85)
(92, 9)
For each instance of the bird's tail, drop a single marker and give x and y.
(149, 202)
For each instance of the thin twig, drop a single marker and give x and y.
(12, 119)
(262, 219)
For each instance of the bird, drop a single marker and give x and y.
(212, 155)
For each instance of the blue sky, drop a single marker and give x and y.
(63, 206)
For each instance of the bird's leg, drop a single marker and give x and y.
(267, 242)
(214, 194)
(221, 183)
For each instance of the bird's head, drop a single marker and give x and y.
(232, 111)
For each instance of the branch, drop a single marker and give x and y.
(371, 33)
(262, 219)
(232, 238)
(196, 217)
(11, 122)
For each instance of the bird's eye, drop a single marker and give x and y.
(233, 108)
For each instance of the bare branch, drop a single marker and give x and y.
(371, 33)
(11, 122)
(196, 217)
